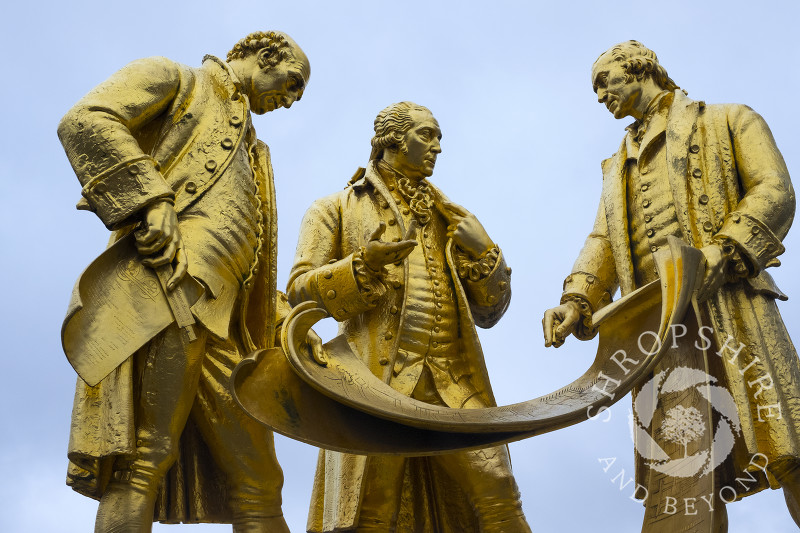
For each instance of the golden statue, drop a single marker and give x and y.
(169, 161)
(712, 176)
(408, 275)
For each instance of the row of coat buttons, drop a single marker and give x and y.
(211, 165)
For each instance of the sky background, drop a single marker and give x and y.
(523, 139)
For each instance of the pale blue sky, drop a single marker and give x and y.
(523, 140)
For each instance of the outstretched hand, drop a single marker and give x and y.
(159, 238)
(379, 253)
(559, 322)
(465, 230)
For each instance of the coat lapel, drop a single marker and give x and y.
(616, 205)
(681, 124)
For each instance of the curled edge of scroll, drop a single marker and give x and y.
(342, 406)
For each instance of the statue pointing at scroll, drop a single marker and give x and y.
(168, 153)
(408, 275)
(712, 176)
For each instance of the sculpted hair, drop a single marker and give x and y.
(639, 62)
(390, 126)
(279, 48)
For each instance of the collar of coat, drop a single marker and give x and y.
(642, 133)
(370, 176)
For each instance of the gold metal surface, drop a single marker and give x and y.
(169, 160)
(713, 176)
(341, 406)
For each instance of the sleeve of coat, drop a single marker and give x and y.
(766, 208)
(320, 273)
(594, 277)
(98, 135)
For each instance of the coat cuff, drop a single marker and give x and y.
(493, 288)
(583, 329)
(753, 238)
(587, 287)
(339, 290)
(122, 191)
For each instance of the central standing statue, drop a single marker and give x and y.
(408, 300)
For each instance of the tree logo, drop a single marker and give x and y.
(684, 425)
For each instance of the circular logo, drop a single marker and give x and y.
(683, 425)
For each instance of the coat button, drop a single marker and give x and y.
(508, 271)
(383, 361)
(736, 217)
(190, 187)
(435, 344)
(397, 284)
(327, 274)
(393, 309)
(645, 187)
(694, 149)
(100, 188)
(755, 230)
(708, 226)
(388, 336)
(385, 204)
(133, 169)
(391, 187)
(646, 203)
(503, 285)
(697, 173)
(392, 222)
(436, 282)
(650, 232)
(653, 248)
(648, 218)
(491, 298)
(235, 121)
(211, 165)
(227, 143)
(436, 329)
(331, 294)
(703, 199)
(438, 294)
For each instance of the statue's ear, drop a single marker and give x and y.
(265, 58)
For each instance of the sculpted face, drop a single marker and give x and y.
(273, 87)
(417, 155)
(619, 96)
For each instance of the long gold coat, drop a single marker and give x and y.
(333, 229)
(727, 179)
(160, 129)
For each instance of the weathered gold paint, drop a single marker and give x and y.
(713, 176)
(169, 160)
